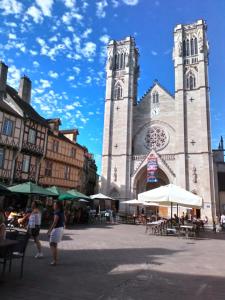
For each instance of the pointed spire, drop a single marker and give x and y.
(221, 143)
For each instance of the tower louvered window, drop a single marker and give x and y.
(190, 47)
(155, 98)
(120, 61)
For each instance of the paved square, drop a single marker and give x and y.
(121, 262)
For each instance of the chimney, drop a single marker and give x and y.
(25, 89)
(3, 77)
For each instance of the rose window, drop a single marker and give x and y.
(156, 138)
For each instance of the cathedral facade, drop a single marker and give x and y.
(171, 130)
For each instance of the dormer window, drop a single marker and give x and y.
(155, 97)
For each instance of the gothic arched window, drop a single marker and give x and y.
(184, 48)
(195, 46)
(155, 97)
(190, 82)
(192, 47)
(119, 61)
(118, 92)
(187, 47)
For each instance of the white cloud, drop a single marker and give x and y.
(70, 3)
(36, 64)
(131, 2)
(45, 6)
(53, 74)
(88, 80)
(35, 13)
(100, 8)
(13, 76)
(71, 78)
(77, 70)
(45, 83)
(115, 3)
(34, 53)
(86, 33)
(11, 7)
(89, 50)
(154, 53)
(12, 36)
(104, 38)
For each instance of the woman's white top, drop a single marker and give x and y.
(34, 220)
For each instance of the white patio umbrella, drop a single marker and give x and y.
(132, 202)
(101, 197)
(171, 193)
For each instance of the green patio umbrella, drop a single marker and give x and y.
(31, 189)
(57, 190)
(73, 195)
(4, 190)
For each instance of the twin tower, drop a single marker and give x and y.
(174, 129)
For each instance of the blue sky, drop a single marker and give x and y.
(60, 45)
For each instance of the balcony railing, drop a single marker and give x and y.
(32, 148)
(9, 141)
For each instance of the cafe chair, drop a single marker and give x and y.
(20, 249)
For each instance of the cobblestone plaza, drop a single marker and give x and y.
(121, 262)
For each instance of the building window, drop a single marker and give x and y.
(2, 152)
(155, 98)
(8, 127)
(190, 47)
(120, 61)
(190, 82)
(26, 163)
(118, 93)
(73, 152)
(32, 136)
(55, 146)
(48, 168)
(67, 172)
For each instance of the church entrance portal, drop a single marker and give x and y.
(142, 184)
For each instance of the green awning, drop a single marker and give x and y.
(57, 190)
(73, 195)
(30, 188)
(4, 190)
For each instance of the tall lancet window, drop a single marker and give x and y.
(195, 46)
(155, 97)
(190, 82)
(118, 92)
(120, 61)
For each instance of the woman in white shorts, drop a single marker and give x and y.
(56, 230)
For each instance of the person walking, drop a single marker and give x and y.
(34, 225)
(56, 230)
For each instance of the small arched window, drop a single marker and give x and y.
(155, 97)
(118, 92)
(190, 82)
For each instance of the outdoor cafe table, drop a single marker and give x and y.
(187, 229)
(153, 224)
(6, 250)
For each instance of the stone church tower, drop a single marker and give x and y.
(174, 129)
